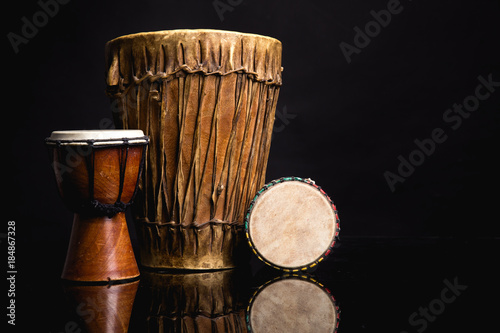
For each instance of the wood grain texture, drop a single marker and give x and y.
(207, 100)
(84, 174)
(99, 248)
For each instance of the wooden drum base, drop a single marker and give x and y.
(100, 250)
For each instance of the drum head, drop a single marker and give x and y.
(291, 224)
(97, 137)
(292, 305)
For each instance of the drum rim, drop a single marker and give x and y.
(295, 268)
(97, 137)
(190, 31)
(294, 276)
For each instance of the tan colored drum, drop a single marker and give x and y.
(207, 100)
(292, 224)
(292, 304)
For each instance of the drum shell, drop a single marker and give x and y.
(85, 173)
(207, 100)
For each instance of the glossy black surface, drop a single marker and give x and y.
(380, 285)
(344, 124)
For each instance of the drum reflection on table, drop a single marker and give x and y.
(102, 308)
(190, 302)
(97, 172)
(293, 303)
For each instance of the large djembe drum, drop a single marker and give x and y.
(207, 100)
(97, 172)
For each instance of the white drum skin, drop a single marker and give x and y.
(80, 137)
(292, 224)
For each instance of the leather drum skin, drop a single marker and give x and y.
(207, 100)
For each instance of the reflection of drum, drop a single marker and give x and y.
(292, 304)
(292, 224)
(207, 100)
(102, 308)
(97, 173)
(191, 303)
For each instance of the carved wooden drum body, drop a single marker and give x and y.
(292, 224)
(97, 172)
(207, 100)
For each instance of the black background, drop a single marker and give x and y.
(347, 125)
(347, 122)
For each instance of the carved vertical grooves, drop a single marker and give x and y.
(215, 166)
(208, 106)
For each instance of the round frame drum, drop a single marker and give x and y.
(292, 224)
(292, 304)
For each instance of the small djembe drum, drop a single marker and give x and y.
(97, 172)
(207, 100)
(292, 304)
(292, 224)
